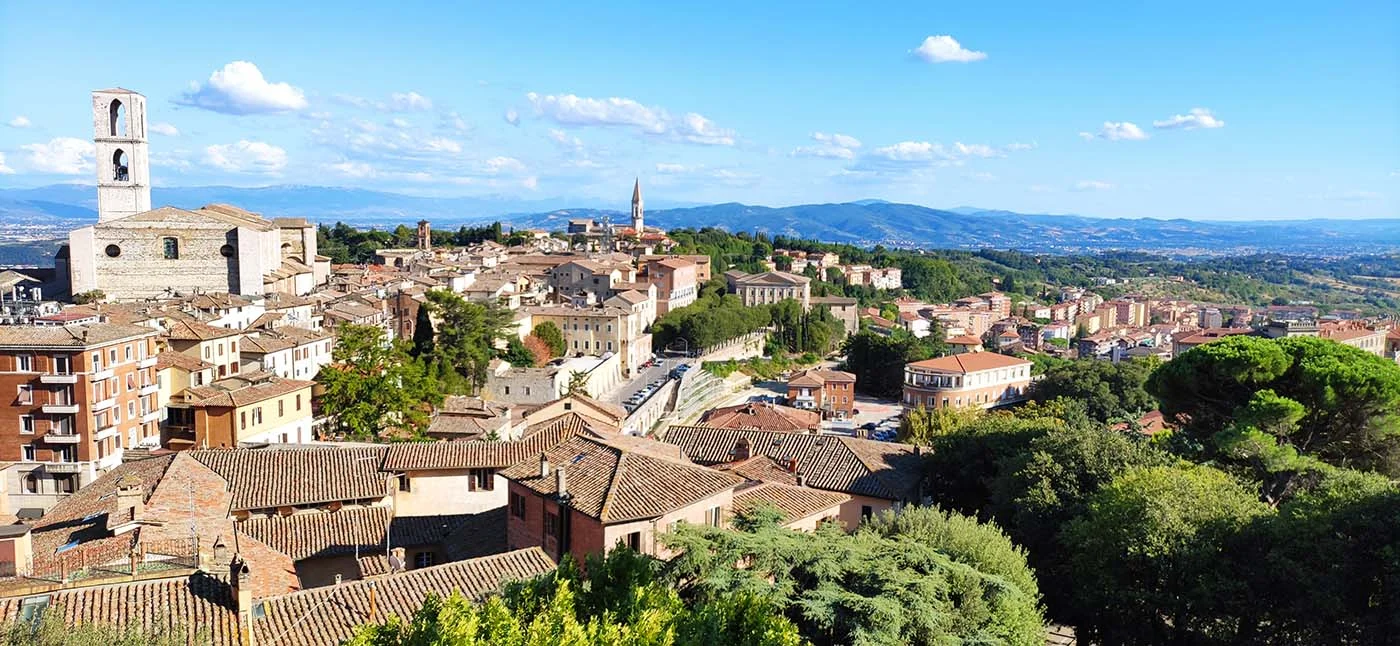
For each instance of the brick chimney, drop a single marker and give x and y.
(792, 465)
(241, 585)
(131, 495)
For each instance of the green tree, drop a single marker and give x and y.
(90, 296)
(931, 580)
(516, 354)
(466, 338)
(878, 360)
(619, 600)
(1111, 391)
(578, 384)
(965, 456)
(50, 629)
(423, 333)
(372, 386)
(782, 263)
(1145, 556)
(552, 336)
(1348, 399)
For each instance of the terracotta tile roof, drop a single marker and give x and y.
(264, 344)
(795, 502)
(352, 530)
(86, 335)
(82, 516)
(965, 339)
(480, 454)
(971, 362)
(835, 463)
(267, 478)
(772, 278)
(201, 604)
(330, 615)
(763, 417)
(172, 359)
(243, 390)
(184, 329)
(819, 376)
(615, 484)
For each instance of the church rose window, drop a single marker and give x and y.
(113, 251)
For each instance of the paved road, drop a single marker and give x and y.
(646, 376)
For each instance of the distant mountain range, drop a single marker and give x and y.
(865, 222)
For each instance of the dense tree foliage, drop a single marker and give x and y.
(1262, 400)
(465, 339)
(713, 318)
(1109, 391)
(552, 336)
(923, 578)
(796, 331)
(617, 601)
(50, 629)
(878, 360)
(1145, 555)
(343, 243)
(372, 386)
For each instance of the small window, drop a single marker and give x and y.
(26, 394)
(242, 420)
(26, 424)
(65, 484)
(404, 483)
(29, 454)
(866, 512)
(113, 251)
(517, 505)
(634, 541)
(423, 559)
(24, 362)
(714, 516)
(281, 406)
(171, 248)
(298, 402)
(551, 524)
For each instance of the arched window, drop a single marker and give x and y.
(171, 247)
(116, 118)
(120, 172)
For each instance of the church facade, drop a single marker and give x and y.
(135, 252)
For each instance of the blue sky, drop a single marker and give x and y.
(1246, 110)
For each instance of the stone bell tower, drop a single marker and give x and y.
(123, 161)
(637, 214)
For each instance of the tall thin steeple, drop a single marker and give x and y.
(637, 220)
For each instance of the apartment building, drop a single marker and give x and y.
(974, 379)
(598, 331)
(214, 345)
(830, 392)
(251, 408)
(74, 397)
(675, 281)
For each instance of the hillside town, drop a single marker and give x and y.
(184, 428)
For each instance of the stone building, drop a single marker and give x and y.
(135, 252)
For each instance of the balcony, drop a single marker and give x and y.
(104, 404)
(63, 467)
(99, 375)
(148, 390)
(148, 362)
(104, 433)
(55, 437)
(153, 416)
(60, 409)
(58, 379)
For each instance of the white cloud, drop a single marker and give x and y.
(62, 156)
(571, 109)
(697, 129)
(532, 182)
(833, 146)
(913, 151)
(564, 139)
(5, 170)
(441, 145)
(409, 101)
(946, 49)
(1196, 118)
(239, 88)
(498, 165)
(981, 176)
(512, 117)
(1019, 147)
(673, 169)
(353, 169)
(1117, 131)
(246, 157)
(399, 123)
(1091, 185)
(177, 160)
(454, 121)
(976, 150)
(165, 129)
(20, 121)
